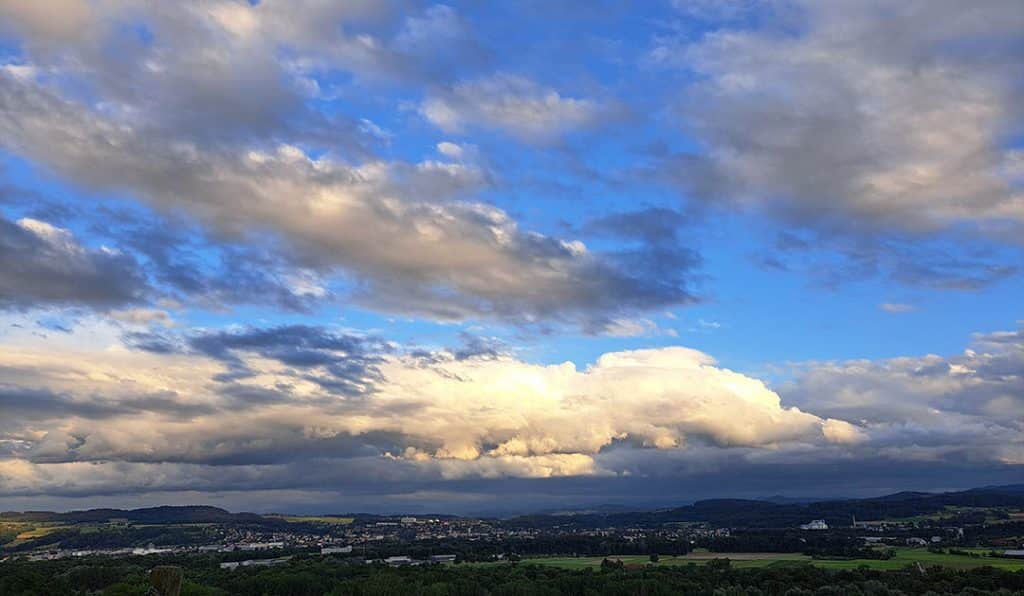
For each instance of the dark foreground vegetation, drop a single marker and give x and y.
(315, 576)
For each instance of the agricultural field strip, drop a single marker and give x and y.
(322, 519)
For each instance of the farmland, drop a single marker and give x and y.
(315, 519)
(902, 558)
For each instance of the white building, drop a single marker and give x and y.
(818, 524)
(335, 550)
(395, 561)
(255, 563)
(260, 545)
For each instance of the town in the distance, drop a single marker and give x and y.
(980, 529)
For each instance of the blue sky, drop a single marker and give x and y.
(375, 232)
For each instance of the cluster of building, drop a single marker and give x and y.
(255, 563)
(403, 560)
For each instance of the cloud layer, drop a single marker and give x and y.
(43, 264)
(194, 134)
(219, 410)
(265, 397)
(516, 105)
(930, 407)
(858, 115)
(414, 251)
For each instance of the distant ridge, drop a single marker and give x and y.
(753, 513)
(164, 514)
(1009, 488)
(766, 512)
(903, 496)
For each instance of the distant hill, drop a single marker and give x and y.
(1009, 489)
(768, 514)
(599, 509)
(774, 512)
(166, 514)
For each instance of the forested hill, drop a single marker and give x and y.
(766, 514)
(733, 513)
(149, 515)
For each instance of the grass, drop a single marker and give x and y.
(320, 519)
(902, 558)
(911, 556)
(992, 515)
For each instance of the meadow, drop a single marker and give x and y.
(902, 558)
(317, 519)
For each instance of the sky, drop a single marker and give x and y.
(493, 257)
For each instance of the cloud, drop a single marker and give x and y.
(860, 116)
(654, 225)
(636, 328)
(43, 264)
(347, 364)
(255, 408)
(671, 478)
(402, 231)
(515, 105)
(896, 307)
(225, 71)
(255, 398)
(143, 316)
(832, 260)
(183, 72)
(192, 268)
(218, 126)
(230, 134)
(929, 407)
(60, 22)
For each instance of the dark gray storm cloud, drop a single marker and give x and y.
(346, 364)
(200, 271)
(654, 225)
(155, 258)
(318, 484)
(833, 261)
(43, 265)
(348, 360)
(44, 404)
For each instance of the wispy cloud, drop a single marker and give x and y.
(897, 307)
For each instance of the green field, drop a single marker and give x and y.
(993, 515)
(903, 557)
(911, 556)
(318, 519)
